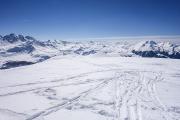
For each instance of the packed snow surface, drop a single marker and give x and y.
(92, 88)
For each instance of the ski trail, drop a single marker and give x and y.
(58, 80)
(135, 92)
(62, 105)
(47, 84)
(129, 93)
(51, 86)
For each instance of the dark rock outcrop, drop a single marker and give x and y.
(12, 64)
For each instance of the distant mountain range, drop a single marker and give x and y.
(19, 50)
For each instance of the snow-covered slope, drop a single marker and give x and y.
(92, 88)
(19, 50)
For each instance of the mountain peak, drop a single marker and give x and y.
(11, 38)
(21, 37)
(151, 42)
(30, 38)
(145, 45)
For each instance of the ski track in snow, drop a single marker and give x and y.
(134, 92)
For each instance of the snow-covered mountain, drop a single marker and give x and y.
(154, 49)
(18, 50)
(87, 80)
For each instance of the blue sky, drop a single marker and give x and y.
(79, 19)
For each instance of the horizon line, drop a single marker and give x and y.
(122, 37)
